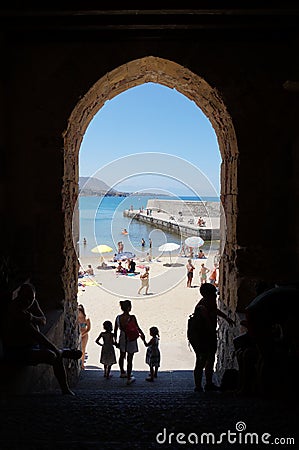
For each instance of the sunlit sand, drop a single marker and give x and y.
(167, 306)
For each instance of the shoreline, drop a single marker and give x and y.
(102, 222)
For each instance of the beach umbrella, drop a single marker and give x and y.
(124, 255)
(169, 247)
(194, 241)
(102, 248)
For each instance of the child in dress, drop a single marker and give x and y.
(108, 353)
(153, 353)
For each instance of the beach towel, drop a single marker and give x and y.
(91, 283)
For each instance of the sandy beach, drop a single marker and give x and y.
(167, 306)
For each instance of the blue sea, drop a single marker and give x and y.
(101, 221)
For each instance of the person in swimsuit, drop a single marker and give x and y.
(85, 325)
(190, 269)
(213, 275)
(144, 281)
(201, 255)
(203, 273)
(126, 347)
(89, 270)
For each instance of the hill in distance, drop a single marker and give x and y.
(91, 186)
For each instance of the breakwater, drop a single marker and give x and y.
(185, 208)
(181, 217)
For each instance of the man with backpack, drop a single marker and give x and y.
(202, 335)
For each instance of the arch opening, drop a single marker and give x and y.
(208, 99)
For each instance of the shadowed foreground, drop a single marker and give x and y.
(108, 414)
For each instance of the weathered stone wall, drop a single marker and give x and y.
(173, 75)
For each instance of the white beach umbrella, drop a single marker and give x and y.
(169, 247)
(194, 241)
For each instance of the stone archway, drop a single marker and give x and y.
(208, 99)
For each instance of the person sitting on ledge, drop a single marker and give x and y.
(25, 344)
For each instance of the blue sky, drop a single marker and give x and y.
(127, 143)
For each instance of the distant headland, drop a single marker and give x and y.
(93, 187)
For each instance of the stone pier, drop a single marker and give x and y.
(181, 217)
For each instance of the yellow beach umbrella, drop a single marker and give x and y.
(102, 248)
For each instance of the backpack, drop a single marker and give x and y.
(131, 330)
(194, 329)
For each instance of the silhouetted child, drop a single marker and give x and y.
(108, 353)
(153, 353)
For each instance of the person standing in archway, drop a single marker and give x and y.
(205, 346)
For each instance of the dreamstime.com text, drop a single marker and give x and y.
(239, 436)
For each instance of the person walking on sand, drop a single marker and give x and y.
(190, 269)
(127, 343)
(203, 273)
(106, 339)
(144, 281)
(85, 325)
(153, 353)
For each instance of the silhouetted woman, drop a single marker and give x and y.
(127, 346)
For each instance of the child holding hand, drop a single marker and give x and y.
(108, 353)
(153, 353)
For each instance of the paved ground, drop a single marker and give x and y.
(108, 414)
